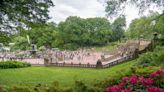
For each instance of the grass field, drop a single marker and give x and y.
(65, 76)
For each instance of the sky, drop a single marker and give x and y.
(84, 9)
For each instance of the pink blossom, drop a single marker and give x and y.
(146, 81)
(125, 79)
(162, 90)
(127, 90)
(133, 80)
(153, 75)
(157, 73)
(114, 88)
(160, 72)
(122, 85)
(153, 89)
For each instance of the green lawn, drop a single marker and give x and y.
(65, 76)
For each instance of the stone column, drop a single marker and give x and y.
(99, 64)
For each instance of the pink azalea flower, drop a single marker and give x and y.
(162, 90)
(127, 90)
(133, 80)
(114, 88)
(157, 73)
(153, 89)
(147, 82)
(160, 72)
(153, 75)
(125, 79)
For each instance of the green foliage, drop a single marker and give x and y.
(82, 87)
(21, 43)
(98, 81)
(80, 32)
(154, 58)
(143, 71)
(20, 12)
(73, 33)
(70, 46)
(4, 37)
(45, 75)
(41, 34)
(109, 47)
(147, 59)
(13, 64)
(118, 28)
(146, 26)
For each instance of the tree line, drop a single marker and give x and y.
(72, 33)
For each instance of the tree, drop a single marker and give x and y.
(118, 27)
(146, 26)
(21, 43)
(141, 26)
(116, 7)
(14, 13)
(40, 34)
(78, 32)
(4, 37)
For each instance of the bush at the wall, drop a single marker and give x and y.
(13, 64)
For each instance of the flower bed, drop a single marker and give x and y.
(151, 83)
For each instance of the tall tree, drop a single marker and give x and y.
(15, 13)
(78, 32)
(118, 28)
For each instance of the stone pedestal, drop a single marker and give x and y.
(46, 61)
(99, 64)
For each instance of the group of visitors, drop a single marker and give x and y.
(70, 55)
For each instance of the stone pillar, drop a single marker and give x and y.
(99, 64)
(102, 58)
(46, 61)
(136, 53)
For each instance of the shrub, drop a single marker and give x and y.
(108, 82)
(20, 89)
(80, 86)
(160, 57)
(155, 58)
(147, 59)
(13, 64)
(152, 83)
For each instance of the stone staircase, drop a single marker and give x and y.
(127, 49)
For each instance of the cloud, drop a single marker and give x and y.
(84, 9)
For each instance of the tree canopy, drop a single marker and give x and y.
(15, 13)
(118, 28)
(76, 31)
(73, 33)
(145, 26)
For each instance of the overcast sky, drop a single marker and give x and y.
(84, 9)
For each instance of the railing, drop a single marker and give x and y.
(72, 65)
(118, 61)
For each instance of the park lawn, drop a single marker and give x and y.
(65, 76)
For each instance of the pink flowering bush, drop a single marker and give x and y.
(153, 83)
